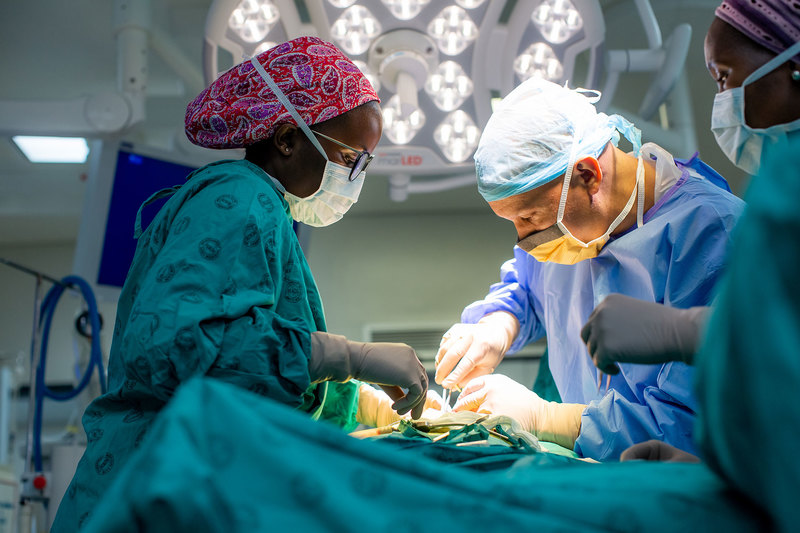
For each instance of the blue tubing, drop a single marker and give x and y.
(95, 358)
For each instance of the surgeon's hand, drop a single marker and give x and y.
(375, 407)
(471, 350)
(393, 366)
(500, 395)
(627, 330)
(655, 450)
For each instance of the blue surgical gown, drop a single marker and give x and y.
(219, 287)
(675, 259)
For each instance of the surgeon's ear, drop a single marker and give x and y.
(587, 171)
(285, 138)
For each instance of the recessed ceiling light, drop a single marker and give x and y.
(53, 149)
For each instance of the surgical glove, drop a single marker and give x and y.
(471, 350)
(392, 366)
(655, 450)
(627, 330)
(375, 407)
(500, 395)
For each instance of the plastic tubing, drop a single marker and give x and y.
(95, 358)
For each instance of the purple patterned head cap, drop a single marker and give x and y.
(774, 24)
(239, 109)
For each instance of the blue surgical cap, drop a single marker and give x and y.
(529, 137)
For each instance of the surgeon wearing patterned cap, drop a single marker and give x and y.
(219, 285)
(591, 220)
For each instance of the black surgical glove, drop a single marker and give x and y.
(627, 330)
(655, 450)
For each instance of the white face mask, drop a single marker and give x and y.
(742, 144)
(335, 196)
(336, 193)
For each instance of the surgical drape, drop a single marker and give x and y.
(222, 459)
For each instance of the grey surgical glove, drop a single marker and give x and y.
(627, 330)
(655, 450)
(392, 366)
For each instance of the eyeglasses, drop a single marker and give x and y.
(362, 159)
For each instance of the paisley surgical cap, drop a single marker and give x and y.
(239, 109)
(774, 24)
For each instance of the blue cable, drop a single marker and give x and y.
(95, 359)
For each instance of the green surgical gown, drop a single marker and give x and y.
(218, 287)
(749, 364)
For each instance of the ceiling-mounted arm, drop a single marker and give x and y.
(666, 60)
(97, 114)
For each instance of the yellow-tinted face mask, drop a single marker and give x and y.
(557, 245)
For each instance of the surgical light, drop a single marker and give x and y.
(355, 29)
(557, 20)
(52, 149)
(341, 4)
(263, 47)
(457, 136)
(449, 86)
(405, 9)
(373, 79)
(538, 60)
(469, 4)
(453, 30)
(253, 19)
(401, 123)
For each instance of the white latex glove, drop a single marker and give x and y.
(471, 350)
(500, 395)
(375, 407)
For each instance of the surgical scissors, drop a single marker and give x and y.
(600, 380)
(446, 400)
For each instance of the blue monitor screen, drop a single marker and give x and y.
(136, 178)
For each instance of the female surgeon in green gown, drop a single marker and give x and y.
(219, 285)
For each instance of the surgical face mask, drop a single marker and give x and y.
(742, 144)
(337, 192)
(335, 196)
(556, 244)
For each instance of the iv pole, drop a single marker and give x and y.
(28, 473)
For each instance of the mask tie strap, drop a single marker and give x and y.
(640, 186)
(288, 105)
(562, 202)
(772, 64)
(621, 216)
(278, 185)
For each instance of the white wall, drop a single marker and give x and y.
(411, 271)
(415, 269)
